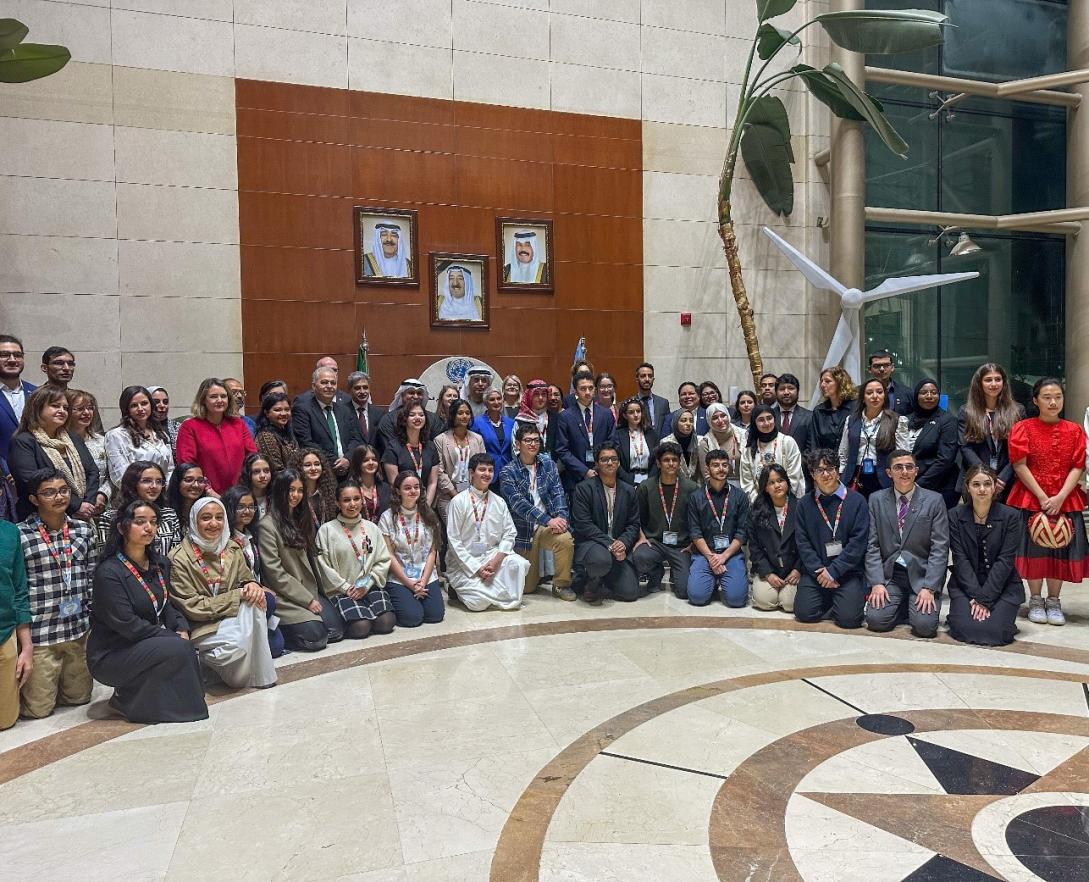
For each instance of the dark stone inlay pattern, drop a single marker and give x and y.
(885, 724)
(942, 869)
(964, 774)
(1052, 841)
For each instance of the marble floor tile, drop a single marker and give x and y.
(888, 765)
(459, 805)
(473, 867)
(94, 847)
(312, 830)
(616, 862)
(110, 777)
(887, 693)
(566, 659)
(700, 656)
(779, 708)
(1017, 693)
(1036, 752)
(620, 801)
(473, 672)
(814, 830)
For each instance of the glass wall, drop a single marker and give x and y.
(981, 157)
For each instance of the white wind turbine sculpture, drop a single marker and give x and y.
(846, 340)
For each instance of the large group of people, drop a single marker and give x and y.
(167, 554)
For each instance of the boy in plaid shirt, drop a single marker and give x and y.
(60, 559)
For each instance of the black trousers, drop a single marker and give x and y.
(998, 630)
(314, 636)
(650, 561)
(596, 568)
(846, 602)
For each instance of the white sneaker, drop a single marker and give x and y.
(1054, 611)
(1036, 612)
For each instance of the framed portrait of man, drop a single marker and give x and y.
(459, 290)
(525, 254)
(386, 250)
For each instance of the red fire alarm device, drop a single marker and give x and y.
(686, 319)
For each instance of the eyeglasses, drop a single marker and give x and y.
(53, 493)
(823, 472)
(609, 460)
(904, 467)
(84, 408)
(11, 356)
(195, 481)
(532, 442)
(249, 508)
(881, 366)
(150, 482)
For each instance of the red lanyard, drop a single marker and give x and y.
(417, 463)
(479, 517)
(409, 540)
(642, 448)
(66, 551)
(359, 555)
(824, 517)
(370, 503)
(147, 590)
(673, 504)
(725, 506)
(213, 584)
(783, 519)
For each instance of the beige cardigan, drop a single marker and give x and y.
(448, 460)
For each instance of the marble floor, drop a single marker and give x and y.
(563, 743)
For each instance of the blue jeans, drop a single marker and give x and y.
(732, 584)
(410, 612)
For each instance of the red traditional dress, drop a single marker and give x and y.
(1050, 450)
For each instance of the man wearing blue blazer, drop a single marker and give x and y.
(582, 426)
(15, 390)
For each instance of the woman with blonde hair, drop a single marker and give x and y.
(84, 421)
(512, 395)
(215, 438)
(984, 423)
(830, 416)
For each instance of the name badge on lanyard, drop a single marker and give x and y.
(670, 537)
(721, 543)
(70, 606)
(834, 547)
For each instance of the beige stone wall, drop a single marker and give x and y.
(118, 203)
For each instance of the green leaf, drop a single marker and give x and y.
(870, 109)
(770, 111)
(12, 33)
(767, 157)
(885, 31)
(769, 39)
(766, 9)
(32, 61)
(826, 91)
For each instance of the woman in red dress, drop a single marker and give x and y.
(1048, 456)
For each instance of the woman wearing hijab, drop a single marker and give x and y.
(764, 446)
(930, 433)
(212, 586)
(353, 562)
(684, 436)
(720, 436)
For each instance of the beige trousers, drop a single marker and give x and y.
(561, 545)
(60, 676)
(767, 598)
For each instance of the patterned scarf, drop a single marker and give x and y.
(63, 454)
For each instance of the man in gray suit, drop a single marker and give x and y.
(908, 552)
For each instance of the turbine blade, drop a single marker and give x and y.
(907, 284)
(841, 342)
(816, 276)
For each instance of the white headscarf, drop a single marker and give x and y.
(525, 272)
(397, 266)
(465, 308)
(410, 383)
(463, 392)
(212, 546)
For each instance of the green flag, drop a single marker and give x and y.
(361, 355)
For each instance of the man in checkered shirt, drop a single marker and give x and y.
(60, 560)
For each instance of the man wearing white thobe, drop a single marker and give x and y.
(481, 564)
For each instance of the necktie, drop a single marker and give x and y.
(786, 421)
(331, 422)
(648, 408)
(586, 418)
(902, 513)
(363, 421)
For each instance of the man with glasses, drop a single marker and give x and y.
(531, 486)
(59, 367)
(908, 552)
(832, 528)
(238, 392)
(59, 552)
(605, 521)
(881, 368)
(15, 390)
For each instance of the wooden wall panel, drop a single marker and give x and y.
(307, 155)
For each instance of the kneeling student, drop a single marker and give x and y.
(663, 520)
(908, 551)
(773, 550)
(718, 522)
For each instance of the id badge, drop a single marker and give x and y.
(413, 571)
(994, 463)
(476, 548)
(639, 479)
(833, 549)
(363, 583)
(669, 537)
(70, 606)
(721, 543)
(589, 456)
(868, 466)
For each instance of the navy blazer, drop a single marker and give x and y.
(9, 423)
(308, 421)
(572, 444)
(623, 441)
(979, 453)
(854, 441)
(659, 410)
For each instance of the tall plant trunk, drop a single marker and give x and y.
(741, 296)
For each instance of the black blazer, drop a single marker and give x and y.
(936, 453)
(772, 552)
(308, 422)
(899, 398)
(979, 452)
(1003, 540)
(659, 408)
(801, 418)
(623, 441)
(26, 456)
(590, 515)
(375, 412)
(854, 442)
(572, 444)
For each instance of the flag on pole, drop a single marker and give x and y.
(580, 352)
(361, 355)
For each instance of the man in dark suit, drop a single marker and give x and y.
(881, 368)
(605, 524)
(321, 421)
(582, 426)
(327, 361)
(908, 552)
(655, 406)
(367, 413)
(793, 419)
(15, 390)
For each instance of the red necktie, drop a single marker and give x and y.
(786, 421)
(363, 421)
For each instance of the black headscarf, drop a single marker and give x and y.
(756, 437)
(919, 417)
